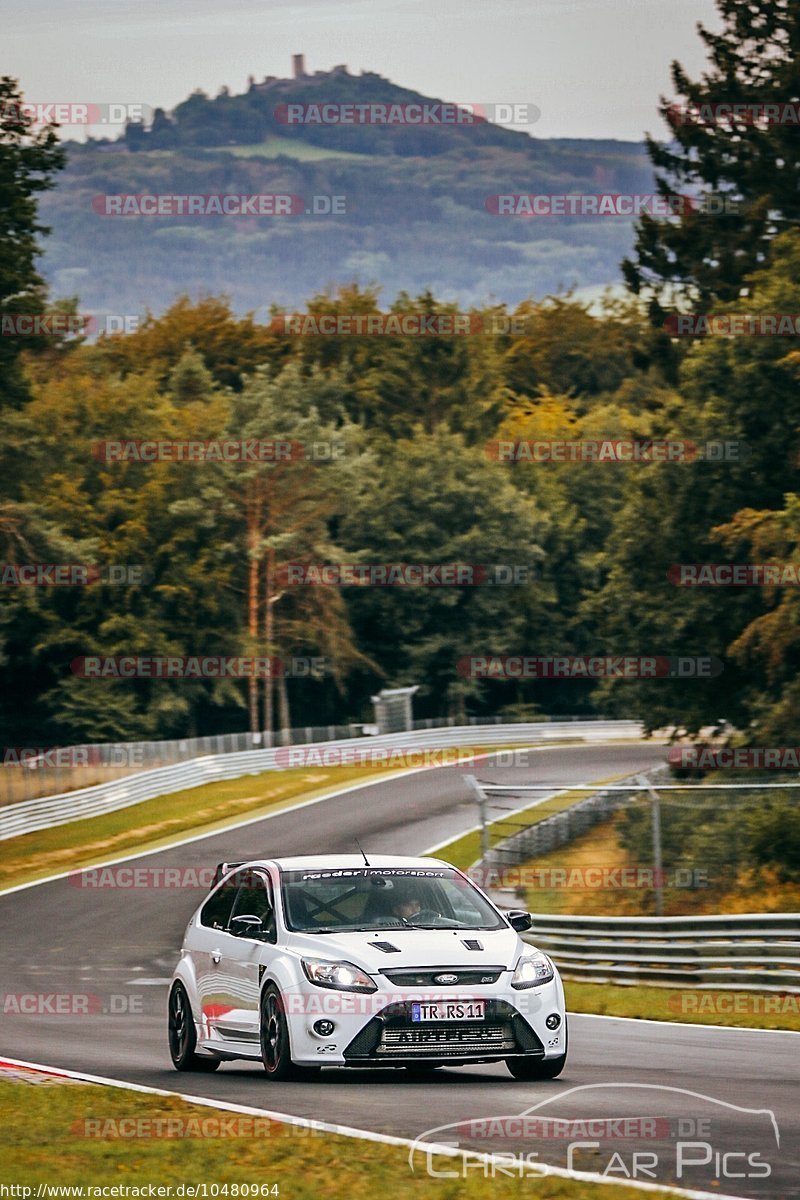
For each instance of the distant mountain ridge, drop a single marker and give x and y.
(417, 212)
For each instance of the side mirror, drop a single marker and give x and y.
(519, 919)
(245, 924)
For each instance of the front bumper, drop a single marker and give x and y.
(392, 1038)
(377, 1030)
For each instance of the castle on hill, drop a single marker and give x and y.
(298, 72)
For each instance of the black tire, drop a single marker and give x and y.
(275, 1049)
(538, 1068)
(182, 1034)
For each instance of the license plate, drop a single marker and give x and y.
(448, 1010)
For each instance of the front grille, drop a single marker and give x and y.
(427, 977)
(392, 1035)
(450, 1038)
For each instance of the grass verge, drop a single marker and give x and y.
(464, 851)
(155, 823)
(701, 1006)
(55, 1135)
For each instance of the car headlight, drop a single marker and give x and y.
(532, 970)
(343, 976)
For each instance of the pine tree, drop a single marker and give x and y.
(746, 163)
(27, 162)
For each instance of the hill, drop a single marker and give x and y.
(415, 201)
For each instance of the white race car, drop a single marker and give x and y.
(339, 961)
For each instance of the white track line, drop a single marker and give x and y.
(364, 1134)
(684, 1024)
(209, 833)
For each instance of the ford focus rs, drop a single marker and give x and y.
(339, 961)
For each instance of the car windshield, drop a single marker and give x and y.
(372, 898)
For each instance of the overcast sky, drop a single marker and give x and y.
(595, 68)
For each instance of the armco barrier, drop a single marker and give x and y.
(556, 831)
(30, 815)
(759, 952)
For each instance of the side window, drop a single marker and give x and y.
(254, 899)
(216, 912)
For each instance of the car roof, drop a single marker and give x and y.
(334, 862)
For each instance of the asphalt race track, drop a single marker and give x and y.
(119, 945)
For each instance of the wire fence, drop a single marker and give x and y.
(644, 845)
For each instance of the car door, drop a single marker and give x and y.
(243, 956)
(210, 948)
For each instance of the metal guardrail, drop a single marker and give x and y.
(551, 833)
(30, 815)
(758, 951)
(31, 773)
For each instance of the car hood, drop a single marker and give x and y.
(460, 948)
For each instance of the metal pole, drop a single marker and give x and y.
(658, 871)
(481, 798)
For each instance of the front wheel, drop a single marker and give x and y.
(275, 1035)
(536, 1068)
(539, 1068)
(183, 1036)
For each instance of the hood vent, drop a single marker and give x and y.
(386, 947)
(472, 943)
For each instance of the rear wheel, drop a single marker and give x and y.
(182, 1034)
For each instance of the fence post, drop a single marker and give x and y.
(481, 798)
(658, 873)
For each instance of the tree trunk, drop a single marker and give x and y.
(283, 709)
(269, 631)
(252, 607)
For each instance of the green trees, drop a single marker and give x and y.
(742, 390)
(432, 499)
(748, 156)
(27, 163)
